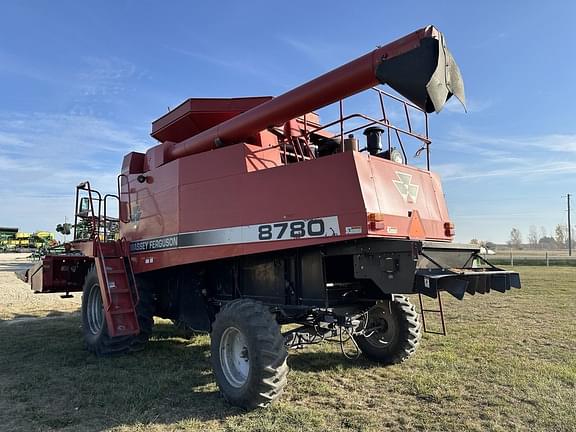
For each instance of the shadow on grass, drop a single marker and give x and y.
(48, 380)
(15, 266)
(19, 319)
(312, 362)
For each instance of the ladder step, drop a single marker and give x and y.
(439, 311)
(117, 284)
(125, 331)
(119, 261)
(122, 311)
(115, 271)
(119, 291)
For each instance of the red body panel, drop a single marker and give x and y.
(245, 185)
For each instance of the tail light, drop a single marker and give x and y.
(376, 221)
(449, 229)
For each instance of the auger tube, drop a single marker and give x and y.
(418, 66)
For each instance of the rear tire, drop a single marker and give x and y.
(248, 354)
(96, 337)
(397, 331)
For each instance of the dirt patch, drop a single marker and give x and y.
(17, 299)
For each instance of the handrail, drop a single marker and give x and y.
(100, 258)
(384, 122)
(96, 235)
(373, 121)
(95, 226)
(105, 217)
(399, 99)
(128, 219)
(126, 253)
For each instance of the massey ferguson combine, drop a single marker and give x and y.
(251, 214)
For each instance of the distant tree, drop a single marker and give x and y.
(64, 228)
(515, 238)
(474, 241)
(533, 236)
(560, 234)
(543, 232)
(548, 243)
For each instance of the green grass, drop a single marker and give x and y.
(508, 363)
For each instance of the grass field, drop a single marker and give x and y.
(508, 363)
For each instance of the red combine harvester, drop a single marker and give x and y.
(251, 214)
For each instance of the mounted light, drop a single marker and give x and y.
(376, 221)
(394, 155)
(449, 229)
(376, 217)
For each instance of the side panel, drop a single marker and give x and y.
(153, 204)
(195, 196)
(395, 191)
(219, 193)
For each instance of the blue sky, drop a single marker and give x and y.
(80, 83)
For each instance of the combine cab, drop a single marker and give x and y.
(251, 213)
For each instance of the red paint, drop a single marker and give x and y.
(242, 185)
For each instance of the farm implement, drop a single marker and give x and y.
(251, 214)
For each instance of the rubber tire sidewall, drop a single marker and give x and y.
(92, 340)
(405, 342)
(250, 391)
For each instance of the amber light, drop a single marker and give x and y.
(375, 221)
(375, 217)
(449, 229)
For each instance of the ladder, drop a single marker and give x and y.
(112, 258)
(117, 285)
(439, 311)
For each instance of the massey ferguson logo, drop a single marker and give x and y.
(404, 185)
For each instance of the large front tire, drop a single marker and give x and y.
(248, 354)
(393, 331)
(96, 337)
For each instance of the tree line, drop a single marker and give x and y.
(540, 239)
(536, 239)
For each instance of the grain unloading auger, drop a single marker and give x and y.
(418, 66)
(251, 214)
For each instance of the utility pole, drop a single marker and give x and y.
(569, 228)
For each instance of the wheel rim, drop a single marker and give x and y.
(234, 357)
(95, 310)
(382, 319)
